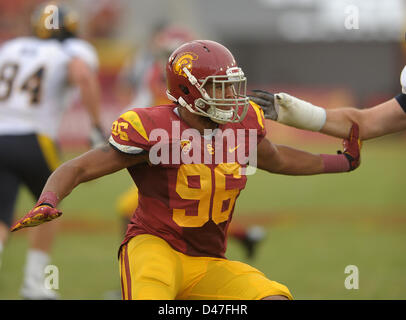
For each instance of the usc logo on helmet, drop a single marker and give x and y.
(184, 61)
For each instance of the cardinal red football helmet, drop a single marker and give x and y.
(194, 64)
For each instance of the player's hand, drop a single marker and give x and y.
(271, 104)
(289, 110)
(352, 147)
(36, 216)
(266, 101)
(97, 137)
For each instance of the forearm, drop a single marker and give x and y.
(385, 118)
(292, 161)
(339, 121)
(91, 165)
(301, 114)
(63, 180)
(287, 160)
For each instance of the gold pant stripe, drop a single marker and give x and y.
(122, 276)
(125, 274)
(49, 151)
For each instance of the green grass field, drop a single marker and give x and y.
(316, 226)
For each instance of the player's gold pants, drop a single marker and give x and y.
(151, 270)
(128, 202)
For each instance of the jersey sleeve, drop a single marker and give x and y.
(258, 121)
(77, 48)
(129, 134)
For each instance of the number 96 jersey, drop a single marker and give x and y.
(187, 191)
(34, 87)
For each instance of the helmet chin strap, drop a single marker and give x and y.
(215, 114)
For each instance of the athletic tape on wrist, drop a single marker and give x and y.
(301, 114)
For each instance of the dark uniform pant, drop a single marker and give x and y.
(27, 159)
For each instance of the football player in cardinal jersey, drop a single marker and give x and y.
(40, 76)
(145, 79)
(142, 83)
(190, 163)
(385, 118)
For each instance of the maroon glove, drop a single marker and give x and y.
(36, 216)
(43, 211)
(352, 147)
(346, 160)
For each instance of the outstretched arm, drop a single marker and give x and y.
(385, 118)
(290, 161)
(286, 160)
(89, 166)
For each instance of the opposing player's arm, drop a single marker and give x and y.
(385, 118)
(80, 74)
(290, 161)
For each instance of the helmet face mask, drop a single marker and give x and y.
(223, 107)
(203, 77)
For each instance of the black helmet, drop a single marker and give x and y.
(54, 21)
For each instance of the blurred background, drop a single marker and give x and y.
(333, 53)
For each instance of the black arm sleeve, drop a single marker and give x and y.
(401, 99)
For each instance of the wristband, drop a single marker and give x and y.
(401, 99)
(335, 163)
(48, 198)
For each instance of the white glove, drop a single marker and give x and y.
(403, 80)
(298, 113)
